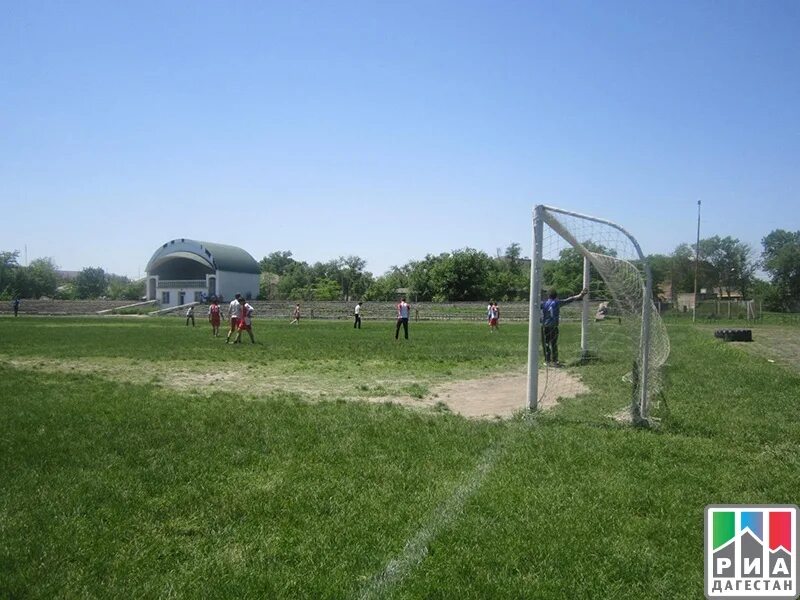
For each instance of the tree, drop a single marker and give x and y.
(513, 256)
(66, 291)
(419, 274)
(326, 289)
(762, 290)
(122, 288)
(34, 281)
(355, 280)
(677, 269)
(91, 282)
(731, 264)
(507, 278)
(297, 277)
(781, 260)
(681, 272)
(268, 286)
(41, 278)
(504, 284)
(278, 262)
(285, 278)
(385, 287)
(566, 274)
(461, 275)
(8, 267)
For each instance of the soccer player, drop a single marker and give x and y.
(550, 318)
(190, 316)
(214, 316)
(403, 311)
(296, 315)
(494, 317)
(245, 322)
(357, 313)
(234, 313)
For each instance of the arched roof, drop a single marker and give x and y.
(219, 257)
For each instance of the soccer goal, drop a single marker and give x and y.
(620, 326)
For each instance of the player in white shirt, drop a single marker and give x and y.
(403, 312)
(234, 314)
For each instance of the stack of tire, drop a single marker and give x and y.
(734, 335)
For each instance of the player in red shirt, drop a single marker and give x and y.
(245, 322)
(215, 316)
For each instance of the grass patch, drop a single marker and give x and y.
(119, 486)
(771, 343)
(416, 390)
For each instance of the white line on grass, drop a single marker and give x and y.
(416, 548)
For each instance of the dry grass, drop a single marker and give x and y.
(500, 395)
(772, 343)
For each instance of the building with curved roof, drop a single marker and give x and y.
(185, 270)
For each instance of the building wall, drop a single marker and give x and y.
(193, 290)
(229, 284)
(685, 301)
(175, 295)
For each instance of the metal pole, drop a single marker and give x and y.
(587, 277)
(535, 310)
(696, 263)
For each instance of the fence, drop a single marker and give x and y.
(708, 310)
(423, 311)
(63, 307)
(717, 309)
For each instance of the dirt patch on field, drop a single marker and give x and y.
(492, 397)
(182, 376)
(502, 395)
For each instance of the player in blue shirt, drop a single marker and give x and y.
(551, 309)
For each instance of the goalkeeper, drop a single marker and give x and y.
(550, 318)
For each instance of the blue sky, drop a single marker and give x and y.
(390, 129)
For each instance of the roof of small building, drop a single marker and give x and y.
(221, 257)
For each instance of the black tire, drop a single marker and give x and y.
(734, 335)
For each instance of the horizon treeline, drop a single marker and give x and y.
(726, 264)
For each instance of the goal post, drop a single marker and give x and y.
(587, 281)
(622, 279)
(535, 310)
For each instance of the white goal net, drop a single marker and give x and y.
(618, 319)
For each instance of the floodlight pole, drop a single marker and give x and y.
(696, 264)
(535, 310)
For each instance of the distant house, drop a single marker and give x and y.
(67, 275)
(685, 300)
(184, 270)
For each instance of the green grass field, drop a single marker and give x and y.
(141, 458)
